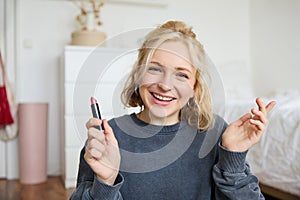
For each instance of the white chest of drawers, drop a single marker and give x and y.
(86, 72)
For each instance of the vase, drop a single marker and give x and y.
(33, 128)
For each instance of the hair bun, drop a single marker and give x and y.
(179, 26)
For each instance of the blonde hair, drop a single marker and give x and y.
(198, 111)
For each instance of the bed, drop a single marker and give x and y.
(275, 159)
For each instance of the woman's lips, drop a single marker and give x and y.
(161, 100)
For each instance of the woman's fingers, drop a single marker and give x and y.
(258, 123)
(265, 109)
(261, 105)
(242, 119)
(94, 153)
(259, 115)
(95, 149)
(262, 112)
(109, 133)
(96, 141)
(97, 134)
(95, 146)
(92, 122)
(270, 106)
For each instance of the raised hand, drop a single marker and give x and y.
(242, 134)
(102, 151)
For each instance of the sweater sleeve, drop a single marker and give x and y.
(90, 187)
(233, 178)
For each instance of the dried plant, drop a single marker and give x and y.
(89, 17)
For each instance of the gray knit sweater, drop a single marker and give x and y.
(171, 162)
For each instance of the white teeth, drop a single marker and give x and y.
(162, 98)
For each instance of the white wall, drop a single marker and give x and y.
(275, 45)
(222, 25)
(44, 28)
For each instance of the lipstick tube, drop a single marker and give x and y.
(96, 112)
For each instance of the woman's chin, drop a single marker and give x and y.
(162, 116)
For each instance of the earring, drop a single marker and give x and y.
(190, 102)
(136, 90)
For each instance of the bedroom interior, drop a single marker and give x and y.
(254, 44)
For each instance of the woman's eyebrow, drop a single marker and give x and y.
(177, 68)
(183, 69)
(157, 63)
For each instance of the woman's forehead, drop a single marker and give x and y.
(175, 47)
(173, 53)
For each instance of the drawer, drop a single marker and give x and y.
(90, 66)
(72, 62)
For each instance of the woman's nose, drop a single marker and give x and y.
(164, 87)
(166, 82)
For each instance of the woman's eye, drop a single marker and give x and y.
(182, 75)
(154, 69)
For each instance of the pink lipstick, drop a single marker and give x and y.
(96, 111)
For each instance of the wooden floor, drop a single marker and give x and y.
(270, 192)
(54, 189)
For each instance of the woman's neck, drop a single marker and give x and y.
(147, 117)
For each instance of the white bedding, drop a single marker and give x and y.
(275, 160)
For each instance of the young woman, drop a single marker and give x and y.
(155, 154)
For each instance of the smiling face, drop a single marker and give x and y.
(167, 84)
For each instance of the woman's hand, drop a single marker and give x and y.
(247, 131)
(102, 151)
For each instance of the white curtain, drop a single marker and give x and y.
(8, 24)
